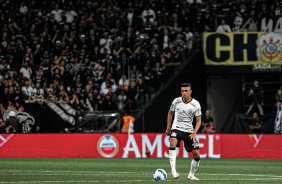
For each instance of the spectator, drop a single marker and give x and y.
(166, 38)
(113, 96)
(74, 101)
(105, 43)
(205, 122)
(57, 43)
(23, 8)
(141, 91)
(189, 38)
(27, 88)
(98, 103)
(37, 97)
(278, 117)
(178, 42)
(123, 83)
(79, 93)
(90, 101)
(40, 79)
(223, 27)
(256, 93)
(26, 71)
(108, 103)
(49, 97)
(70, 15)
(63, 97)
(37, 86)
(132, 94)
(148, 15)
(209, 128)
(243, 8)
(256, 124)
(108, 64)
(58, 13)
(148, 78)
(81, 107)
(158, 78)
(121, 100)
(11, 95)
(18, 97)
(154, 57)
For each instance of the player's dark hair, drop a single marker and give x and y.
(186, 85)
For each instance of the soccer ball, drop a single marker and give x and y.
(160, 175)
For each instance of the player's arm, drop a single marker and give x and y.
(198, 124)
(169, 118)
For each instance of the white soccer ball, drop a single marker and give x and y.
(160, 175)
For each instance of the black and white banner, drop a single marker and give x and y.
(65, 111)
(253, 24)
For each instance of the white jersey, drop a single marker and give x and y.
(184, 114)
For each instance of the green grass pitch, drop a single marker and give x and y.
(118, 170)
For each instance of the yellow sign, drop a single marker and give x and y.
(246, 48)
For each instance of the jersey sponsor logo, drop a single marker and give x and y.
(181, 119)
(173, 134)
(107, 146)
(190, 112)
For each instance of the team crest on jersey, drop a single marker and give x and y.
(190, 112)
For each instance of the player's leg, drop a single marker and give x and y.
(194, 164)
(172, 156)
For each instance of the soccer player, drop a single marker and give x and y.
(185, 108)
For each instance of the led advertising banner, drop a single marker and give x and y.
(155, 145)
(262, 50)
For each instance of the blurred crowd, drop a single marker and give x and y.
(101, 55)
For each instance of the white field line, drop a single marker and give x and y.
(59, 172)
(125, 174)
(54, 171)
(68, 174)
(126, 181)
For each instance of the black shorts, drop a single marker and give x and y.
(189, 144)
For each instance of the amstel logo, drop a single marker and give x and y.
(107, 146)
(269, 47)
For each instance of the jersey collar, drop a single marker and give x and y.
(187, 102)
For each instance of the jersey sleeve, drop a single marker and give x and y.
(172, 107)
(198, 111)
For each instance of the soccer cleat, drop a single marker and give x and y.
(192, 178)
(175, 174)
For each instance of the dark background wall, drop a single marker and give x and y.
(191, 72)
(225, 99)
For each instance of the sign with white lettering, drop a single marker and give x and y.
(114, 145)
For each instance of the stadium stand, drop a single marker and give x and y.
(79, 52)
